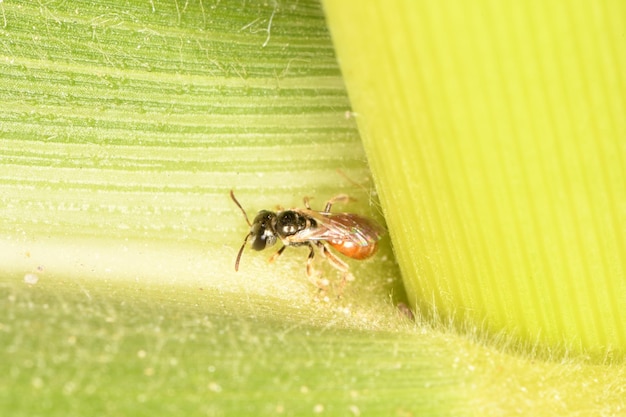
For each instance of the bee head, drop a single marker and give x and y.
(262, 233)
(262, 230)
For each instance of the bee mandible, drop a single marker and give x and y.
(350, 234)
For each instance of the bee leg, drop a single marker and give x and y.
(337, 264)
(310, 272)
(307, 202)
(276, 255)
(341, 198)
(309, 262)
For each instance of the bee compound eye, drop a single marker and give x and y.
(263, 240)
(258, 243)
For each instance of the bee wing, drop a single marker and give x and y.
(360, 230)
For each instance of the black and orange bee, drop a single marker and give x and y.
(350, 234)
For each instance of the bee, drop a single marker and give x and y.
(350, 234)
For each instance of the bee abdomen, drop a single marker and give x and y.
(354, 250)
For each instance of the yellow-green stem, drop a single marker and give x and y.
(496, 134)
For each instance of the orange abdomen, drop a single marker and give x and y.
(352, 250)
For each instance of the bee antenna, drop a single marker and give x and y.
(232, 195)
(240, 251)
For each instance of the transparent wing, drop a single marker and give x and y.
(357, 229)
